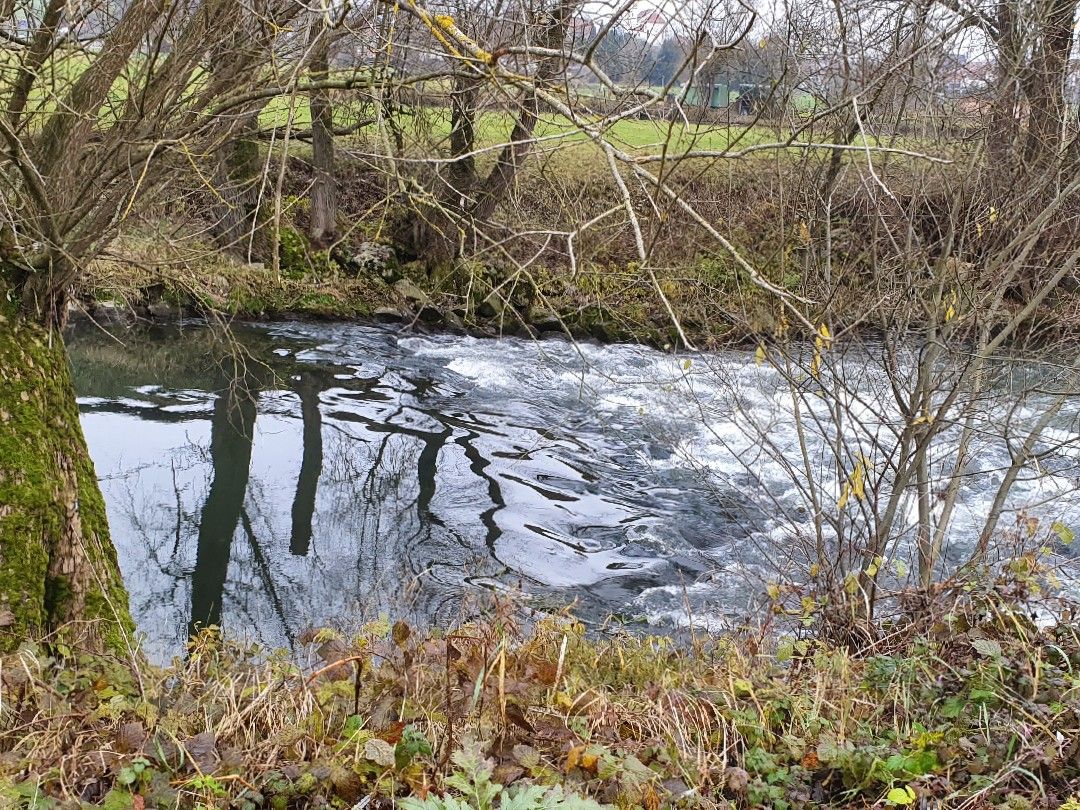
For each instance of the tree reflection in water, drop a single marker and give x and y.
(365, 538)
(232, 434)
(327, 482)
(307, 485)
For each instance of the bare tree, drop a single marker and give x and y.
(103, 103)
(931, 243)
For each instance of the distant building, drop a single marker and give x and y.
(742, 94)
(719, 95)
(650, 25)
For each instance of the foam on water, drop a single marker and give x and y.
(736, 421)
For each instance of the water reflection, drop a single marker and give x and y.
(232, 434)
(307, 484)
(328, 473)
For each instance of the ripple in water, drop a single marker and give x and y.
(339, 471)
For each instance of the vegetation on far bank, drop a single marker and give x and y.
(164, 271)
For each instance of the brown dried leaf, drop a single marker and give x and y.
(516, 715)
(161, 748)
(202, 748)
(526, 756)
(581, 757)
(588, 702)
(333, 650)
(736, 779)
(545, 672)
(393, 733)
(130, 738)
(507, 773)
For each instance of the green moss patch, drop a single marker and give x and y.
(48, 495)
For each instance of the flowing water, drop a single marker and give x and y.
(321, 474)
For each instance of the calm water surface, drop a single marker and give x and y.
(334, 472)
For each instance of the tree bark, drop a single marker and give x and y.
(242, 221)
(1033, 43)
(323, 231)
(499, 181)
(58, 567)
(461, 173)
(1046, 86)
(434, 235)
(438, 232)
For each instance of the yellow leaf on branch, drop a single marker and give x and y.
(855, 486)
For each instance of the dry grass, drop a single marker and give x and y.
(145, 267)
(971, 711)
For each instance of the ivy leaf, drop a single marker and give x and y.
(987, 647)
(1064, 533)
(743, 687)
(118, 800)
(901, 796)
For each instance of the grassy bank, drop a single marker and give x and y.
(977, 709)
(145, 278)
(526, 287)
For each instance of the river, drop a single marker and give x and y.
(315, 474)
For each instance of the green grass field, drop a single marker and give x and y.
(427, 129)
(430, 127)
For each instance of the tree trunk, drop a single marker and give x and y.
(499, 181)
(241, 221)
(461, 173)
(323, 231)
(435, 234)
(1033, 46)
(1046, 85)
(58, 567)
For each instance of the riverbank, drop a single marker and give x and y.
(535, 275)
(144, 279)
(148, 279)
(976, 710)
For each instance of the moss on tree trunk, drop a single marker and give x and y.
(58, 567)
